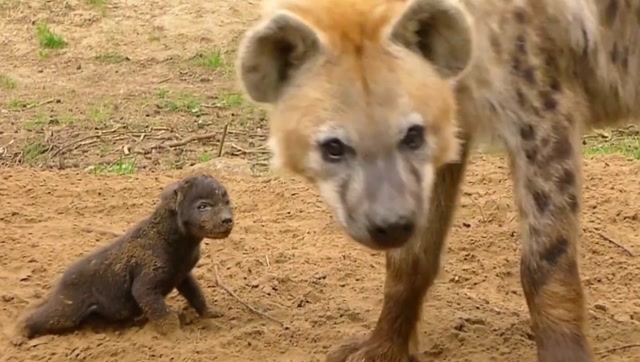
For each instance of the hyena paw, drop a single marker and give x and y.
(362, 350)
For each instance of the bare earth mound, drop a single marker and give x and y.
(287, 258)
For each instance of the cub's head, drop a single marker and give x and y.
(361, 102)
(201, 205)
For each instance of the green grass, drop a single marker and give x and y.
(123, 166)
(16, 104)
(181, 102)
(211, 60)
(101, 112)
(97, 2)
(7, 83)
(39, 121)
(32, 151)
(231, 100)
(628, 146)
(48, 39)
(111, 58)
(204, 157)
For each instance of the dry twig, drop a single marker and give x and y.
(621, 246)
(80, 140)
(224, 136)
(614, 349)
(183, 142)
(91, 229)
(236, 297)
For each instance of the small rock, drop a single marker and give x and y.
(601, 307)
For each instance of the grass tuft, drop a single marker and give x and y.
(48, 39)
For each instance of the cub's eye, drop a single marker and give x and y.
(333, 150)
(203, 207)
(414, 138)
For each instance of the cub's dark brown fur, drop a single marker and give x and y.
(130, 277)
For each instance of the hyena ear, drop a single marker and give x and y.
(172, 194)
(270, 54)
(438, 30)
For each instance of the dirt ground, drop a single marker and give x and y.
(91, 132)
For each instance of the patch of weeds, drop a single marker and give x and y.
(182, 102)
(204, 157)
(48, 39)
(111, 58)
(154, 37)
(97, 2)
(66, 119)
(16, 104)
(39, 121)
(211, 60)
(32, 151)
(628, 146)
(123, 166)
(231, 100)
(100, 113)
(7, 83)
(104, 150)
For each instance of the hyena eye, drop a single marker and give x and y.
(414, 138)
(333, 150)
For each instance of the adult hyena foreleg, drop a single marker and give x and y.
(546, 168)
(410, 272)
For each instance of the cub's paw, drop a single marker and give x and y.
(211, 313)
(168, 326)
(362, 350)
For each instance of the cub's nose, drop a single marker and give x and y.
(391, 234)
(227, 221)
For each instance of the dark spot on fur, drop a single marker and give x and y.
(572, 201)
(541, 199)
(527, 132)
(551, 62)
(520, 15)
(494, 40)
(516, 65)
(614, 54)
(529, 75)
(611, 12)
(625, 59)
(548, 102)
(554, 84)
(521, 44)
(566, 180)
(520, 97)
(544, 142)
(555, 251)
(562, 149)
(531, 154)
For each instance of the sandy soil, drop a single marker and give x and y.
(126, 82)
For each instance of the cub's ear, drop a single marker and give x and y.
(172, 194)
(438, 30)
(271, 52)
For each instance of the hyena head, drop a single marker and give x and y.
(361, 103)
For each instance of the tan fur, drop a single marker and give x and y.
(534, 74)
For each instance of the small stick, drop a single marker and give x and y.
(72, 143)
(224, 135)
(614, 349)
(41, 103)
(90, 229)
(234, 295)
(484, 219)
(179, 143)
(623, 247)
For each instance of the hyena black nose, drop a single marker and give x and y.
(227, 221)
(391, 234)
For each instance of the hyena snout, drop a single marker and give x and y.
(391, 232)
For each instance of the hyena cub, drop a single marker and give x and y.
(129, 278)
